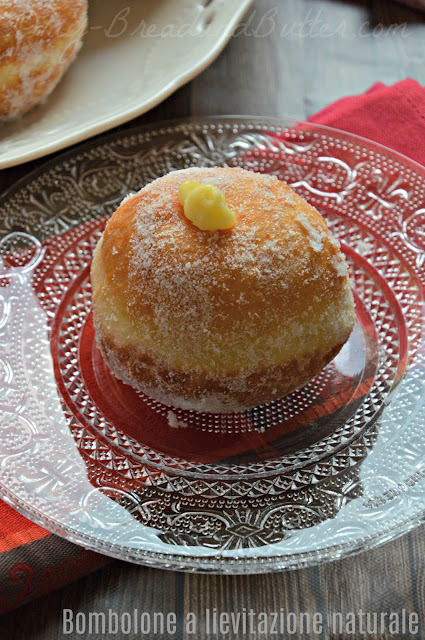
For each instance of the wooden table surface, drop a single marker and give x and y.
(277, 65)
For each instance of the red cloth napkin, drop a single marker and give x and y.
(34, 561)
(393, 116)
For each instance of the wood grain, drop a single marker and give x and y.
(291, 70)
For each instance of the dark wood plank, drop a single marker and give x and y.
(258, 73)
(384, 580)
(380, 581)
(290, 69)
(123, 588)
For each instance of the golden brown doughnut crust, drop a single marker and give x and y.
(186, 390)
(38, 41)
(219, 321)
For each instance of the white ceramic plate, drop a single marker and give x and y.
(135, 54)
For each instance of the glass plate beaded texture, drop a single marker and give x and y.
(334, 468)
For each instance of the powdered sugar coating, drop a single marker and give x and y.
(38, 41)
(265, 297)
(174, 422)
(222, 393)
(316, 238)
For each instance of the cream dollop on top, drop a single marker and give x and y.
(205, 206)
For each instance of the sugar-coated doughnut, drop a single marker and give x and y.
(225, 320)
(38, 41)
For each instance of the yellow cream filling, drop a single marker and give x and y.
(205, 206)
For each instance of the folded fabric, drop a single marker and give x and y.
(393, 116)
(34, 561)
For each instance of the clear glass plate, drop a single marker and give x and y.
(335, 468)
